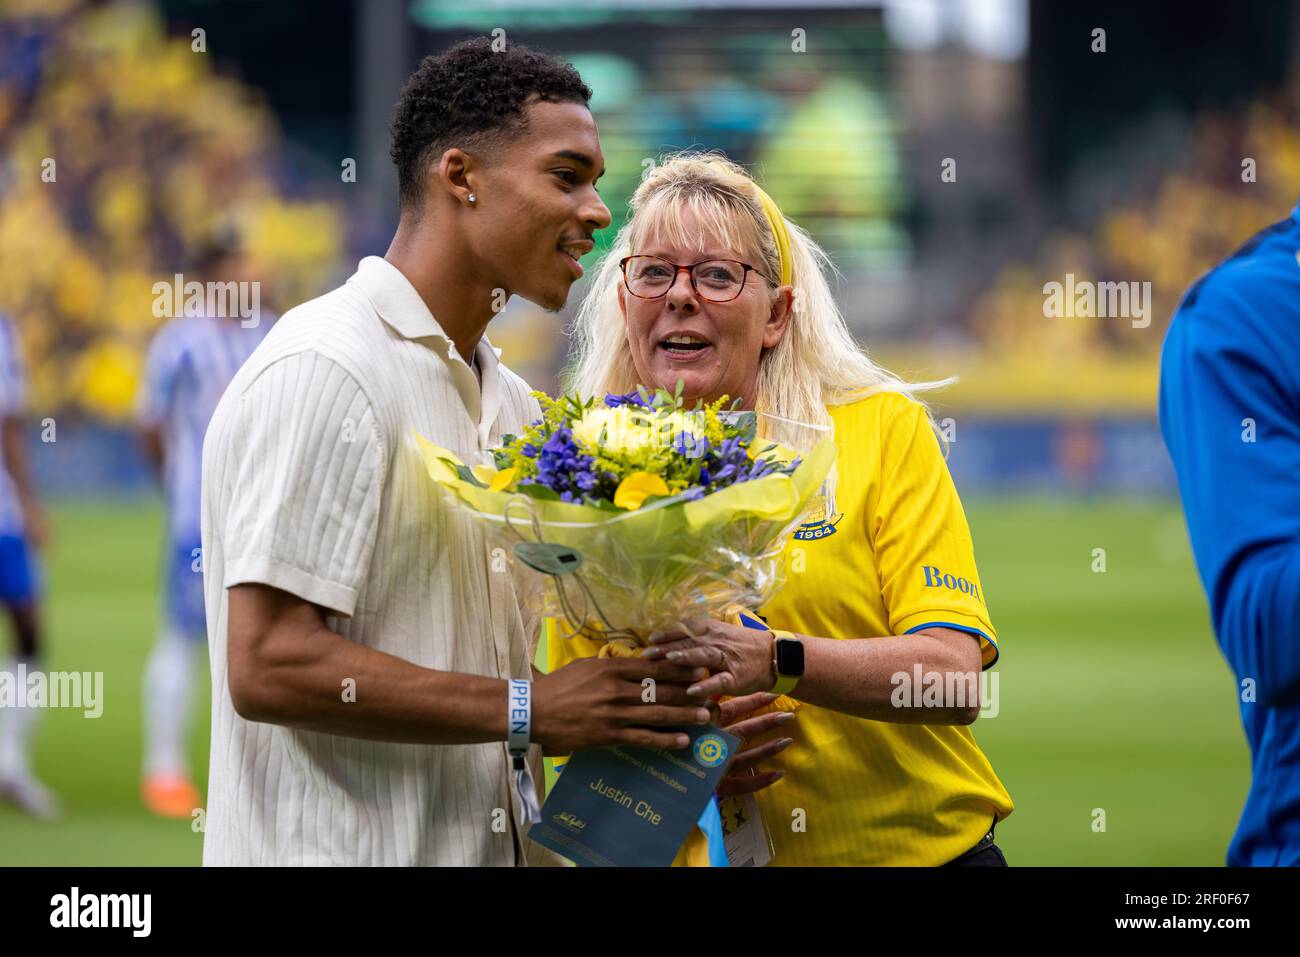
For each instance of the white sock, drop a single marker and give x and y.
(168, 696)
(16, 725)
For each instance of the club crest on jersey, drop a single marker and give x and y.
(819, 527)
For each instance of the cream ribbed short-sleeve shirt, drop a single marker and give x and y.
(312, 484)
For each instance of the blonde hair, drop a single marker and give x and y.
(816, 364)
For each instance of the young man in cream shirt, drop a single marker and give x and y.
(361, 643)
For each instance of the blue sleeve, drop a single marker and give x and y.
(1231, 362)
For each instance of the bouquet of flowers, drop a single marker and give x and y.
(642, 513)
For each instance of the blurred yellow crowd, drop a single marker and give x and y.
(1241, 174)
(123, 151)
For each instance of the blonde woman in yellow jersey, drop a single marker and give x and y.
(882, 593)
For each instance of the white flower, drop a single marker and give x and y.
(629, 429)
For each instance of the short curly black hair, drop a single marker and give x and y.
(471, 96)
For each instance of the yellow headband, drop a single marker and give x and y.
(774, 219)
(777, 222)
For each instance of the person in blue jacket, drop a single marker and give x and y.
(1230, 414)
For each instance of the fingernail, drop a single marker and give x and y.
(655, 636)
(674, 656)
(693, 690)
(768, 697)
(779, 776)
(650, 654)
(702, 716)
(786, 716)
(682, 741)
(786, 742)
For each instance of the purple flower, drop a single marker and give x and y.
(690, 446)
(728, 464)
(564, 468)
(613, 400)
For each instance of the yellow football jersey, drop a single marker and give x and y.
(893, 556)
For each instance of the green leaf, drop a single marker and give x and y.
(465, 475)
(540, 492)
(663, 501)
(746, 427)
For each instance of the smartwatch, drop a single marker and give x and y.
(787, 661)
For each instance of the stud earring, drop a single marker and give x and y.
(472, 198)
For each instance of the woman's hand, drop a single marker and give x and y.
(742, 776)
(739, 659)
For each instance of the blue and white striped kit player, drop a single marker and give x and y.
(190, 363)
(18, 574)
(19, 597)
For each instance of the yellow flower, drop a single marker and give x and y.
(636, 488)
(494, 480)
(502, 479)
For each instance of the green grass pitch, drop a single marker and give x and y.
(1112, 693)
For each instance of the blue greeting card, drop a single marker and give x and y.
(630, 807)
